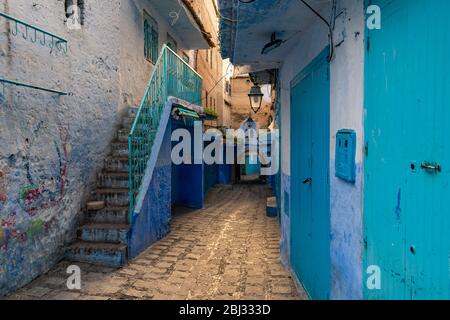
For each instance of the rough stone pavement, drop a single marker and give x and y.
(229, 250)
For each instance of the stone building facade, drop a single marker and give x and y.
(240, 105)
(209, 64)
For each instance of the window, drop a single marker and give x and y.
(211, 58)
(150, 38)
(228, 87)
(75, 11)
(171, 43)
(206, 98)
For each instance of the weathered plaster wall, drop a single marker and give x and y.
(346, 70)
(52, 147)
(347, 105)
(210, 65)
(135, 69)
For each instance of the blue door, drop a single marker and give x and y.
(310, 214)
(407, 163)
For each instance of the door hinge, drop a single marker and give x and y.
(366, 149)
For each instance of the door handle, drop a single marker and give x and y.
(306, 181)
(431, 167)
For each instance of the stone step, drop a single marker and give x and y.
(117, 164)
(122, 135)
(114, 179)
(116, 197)
(119, 149)
(95, 205)
(103, 232)
(127, 123)
(105, 254)
(108, 215)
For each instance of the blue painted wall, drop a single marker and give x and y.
(152, 223)
(407, 99)
(225, 171)
(346, 235)
(210, 177)
(285, 243)
(251, 168)
(187, 179)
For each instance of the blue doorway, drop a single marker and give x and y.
(310, 200)
(406, 182)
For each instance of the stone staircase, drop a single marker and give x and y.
(102, 237)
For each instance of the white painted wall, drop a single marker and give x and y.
(49, 144)
(347, 105)
(347, 89)
(52, 147)
(135, 70)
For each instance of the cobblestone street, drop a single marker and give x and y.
(229, 250)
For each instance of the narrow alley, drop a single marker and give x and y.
(229, 250)
(224, 150)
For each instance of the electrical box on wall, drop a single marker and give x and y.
(345, 166)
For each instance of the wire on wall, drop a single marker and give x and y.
(330, 25)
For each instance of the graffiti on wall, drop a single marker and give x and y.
(3, 194)
(50, 189)
(45, 186)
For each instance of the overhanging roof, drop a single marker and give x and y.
(245, 28)
(185, 22)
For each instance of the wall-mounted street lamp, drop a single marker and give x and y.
(272, 45)
(255, 97)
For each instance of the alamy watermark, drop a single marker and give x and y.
(373, 277)
(234, 147)
(374, 17)
(74, 280)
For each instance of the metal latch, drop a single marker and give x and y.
(431, 167)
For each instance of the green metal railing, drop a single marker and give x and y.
(171, 76)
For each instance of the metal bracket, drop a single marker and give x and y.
(33, 33)
(26, 85)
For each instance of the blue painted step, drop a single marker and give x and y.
(119, 149)
(103, 232)
(114, 196)
(113, 180)
(106, 254)
(117, 164)
(119, 215)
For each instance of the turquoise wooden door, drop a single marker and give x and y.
(407, 165)
(310, 214)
